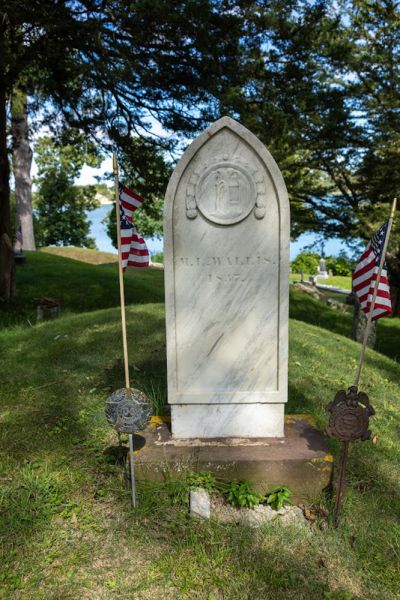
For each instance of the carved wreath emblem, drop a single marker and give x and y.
(225, 191)
(350, 411)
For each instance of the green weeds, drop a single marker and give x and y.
(242, 495)
(278, 497)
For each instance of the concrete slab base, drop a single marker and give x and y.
(300, 460)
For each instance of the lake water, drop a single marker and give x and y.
(103, 242)
(99, 233)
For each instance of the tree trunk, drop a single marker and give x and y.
(393, 262)
(22, 161)
(7, 267)
(360, 323)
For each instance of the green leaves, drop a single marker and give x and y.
(242, 495)
(60, 205)
(278, 497)
(306, 262)
(67, 155)
(180, 489)
(203, 479)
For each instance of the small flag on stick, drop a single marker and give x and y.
(365, 276)
(350, 411)
(134, 252)
(130, 201)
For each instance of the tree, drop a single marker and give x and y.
(297, 102)
(144, 169)
(372, 28)
(315, 80)
(340, 264)
(105, 67)
(22, 161)
(306, 262)
(60, 205)
(324, 97)
(375, 37)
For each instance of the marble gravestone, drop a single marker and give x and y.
(322, 272)
(226, 260)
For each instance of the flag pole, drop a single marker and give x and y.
(345, 444)
(372, 305)
(123, 316)
(121, 273)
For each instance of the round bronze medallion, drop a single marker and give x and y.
(350, 412)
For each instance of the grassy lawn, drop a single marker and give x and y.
(78, 286)
(304, 308)
(336, 280)
(66, 527)
(93, 257)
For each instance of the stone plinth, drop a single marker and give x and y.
(226, 258)
(300, 460)
(323, 275)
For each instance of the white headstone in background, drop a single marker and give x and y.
(226, 259)
(322, 272)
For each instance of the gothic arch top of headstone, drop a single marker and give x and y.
(246, 136)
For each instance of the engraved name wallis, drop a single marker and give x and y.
(222, 261)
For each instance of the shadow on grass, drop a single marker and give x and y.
(79, 287)
(52, 408)
(53, 411)
(304, 308)
(239, 562)
(60, 369)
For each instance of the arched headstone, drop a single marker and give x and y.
(226, 260)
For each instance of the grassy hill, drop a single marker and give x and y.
(338, 281)
(78, 283)
(66, 527)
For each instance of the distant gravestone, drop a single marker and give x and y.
(322, 272)
(226, 259)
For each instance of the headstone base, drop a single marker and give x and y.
(227, 420)
(300, 460)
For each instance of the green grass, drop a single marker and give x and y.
(336, 280)
(86, 255)
(78, 286)
(315, 312)
(66, 527)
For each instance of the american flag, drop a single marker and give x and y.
(134, 251)
(365, 275)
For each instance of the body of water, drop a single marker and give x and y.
(103, 242)
(99, 233)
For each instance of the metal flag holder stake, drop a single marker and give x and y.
(349, 420)
(350, 410)
(127, 410)
(132, 466)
